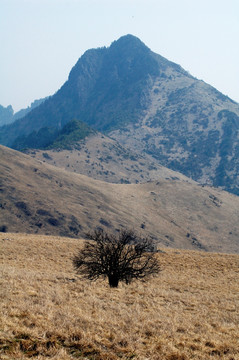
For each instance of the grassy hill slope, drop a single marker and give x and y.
(190, 311)
(40, 198)
(103, 158)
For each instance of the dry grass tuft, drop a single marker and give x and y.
(190, 311)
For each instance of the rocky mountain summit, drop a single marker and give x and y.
(151, 106)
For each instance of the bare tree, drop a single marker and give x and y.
(120, 258)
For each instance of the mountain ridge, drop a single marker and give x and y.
(82, 80)
(151, 106)
(8, 116)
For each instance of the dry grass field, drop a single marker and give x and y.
(189, 311)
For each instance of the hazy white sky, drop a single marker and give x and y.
(41, 40)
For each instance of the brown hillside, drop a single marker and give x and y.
(189, 311)
(39, 198)
(103, 158)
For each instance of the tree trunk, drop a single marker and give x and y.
(113, 280)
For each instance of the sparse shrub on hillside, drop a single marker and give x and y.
(54, 222)
(121, 257)
(3, 228)
(46, 156)
(21, 205)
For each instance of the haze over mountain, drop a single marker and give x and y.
(8, 116)
(149, 105)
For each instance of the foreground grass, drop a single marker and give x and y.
(190, 311)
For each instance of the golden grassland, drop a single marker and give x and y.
(189, 311)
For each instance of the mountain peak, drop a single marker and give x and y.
(127, 46)
(150, 104)
(127, 40)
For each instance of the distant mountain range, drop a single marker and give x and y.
(7, 115)
(149, 105)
